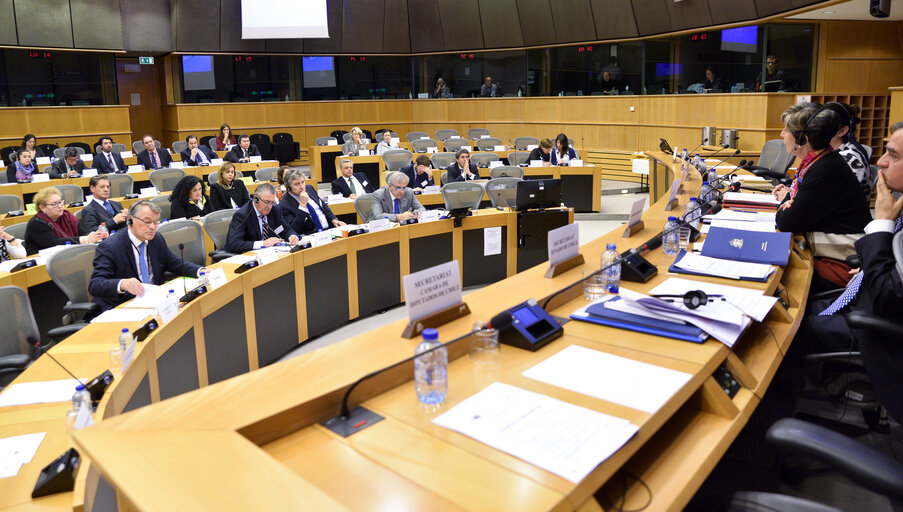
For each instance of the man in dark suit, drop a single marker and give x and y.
(153, 157)
(419, 173)
(243, 151)
(107, 162)
(351, 184)
(195, 154)
(257, 224)
(303, 209)
(133, 257)
(462, 169)
(396, 201)
(70, 166)
(101, 209)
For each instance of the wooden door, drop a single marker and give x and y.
(139, 87)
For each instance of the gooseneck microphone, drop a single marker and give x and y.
(697, 147)
(182, 264)
(37, 345)
(96, 387)
(656, 241)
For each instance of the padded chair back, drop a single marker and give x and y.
(179, 146)
(518, 157)
(213, 178)
(80, 145)
(3, 178)
(364, 205)
(58, 152)
(444, 178)
(9, 202)
(488, 144)
(346, 137)
(118, 148)
(212, 143)
(462, 194)
(339, 135)
(71, 193)
(775, 156)
(188, 232)
(506, 171)
(265, 173)
(423, 145)
(483, 159)
(18, 321)
(285, 147)
(455, 144)
(442, 160)
(78, 213)
(121, 184)
(48, 149)
(366, 134)
(412, 136)
(165, 206)
(165, 179)
(216, 224)
(17, 230)
(397, 158)
(262, 141)
(8, 154)
(446, 134)
(521, 143)
(205, 141)
(138, 146)
(71, 269)
(504, 187)
(324, 141)
(476, 133)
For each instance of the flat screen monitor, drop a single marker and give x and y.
(772, 86)
(538, 194)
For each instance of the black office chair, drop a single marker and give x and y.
(286, 148)
(81, 145)
(773, 162)
(338, 135)
(262, 141)
(48, 149)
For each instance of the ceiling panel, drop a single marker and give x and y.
(689, 14)
(573, 20)
(653, 17)
(614, 19)
(501, 27)
(427, 32)
(362, 26)
(332, 44)
(729, 11)
(43, 23)
(461, 24)
(88, 15)
(396, 34)
(536, 22)
(230, 29)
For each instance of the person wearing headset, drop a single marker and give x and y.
(134, 257)
(257, 224)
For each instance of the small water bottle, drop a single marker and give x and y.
(610, 259)
(172, 296)
(693, 214)
(125, 340)
(80, 397)
(431, 370)
(671, 237)
(696, 161)
(713, 174)
(202, 280)
(102, 229)
(705, 192)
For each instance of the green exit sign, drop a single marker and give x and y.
(145, 60)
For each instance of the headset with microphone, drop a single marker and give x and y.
(692, 299)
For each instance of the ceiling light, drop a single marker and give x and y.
(828, 12)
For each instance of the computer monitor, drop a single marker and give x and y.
(538, 194)
(772, 86)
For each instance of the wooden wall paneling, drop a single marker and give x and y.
(769, 7)
(728, 11)
(396, 30)
(43, 23)
(148, 26)
(8, 23)
(573, 20)
(103, 120)
(462, 28)
(430, 111)
(230, 28)
(614, 19)
(428, 34)
(325, 113)
(655, 23)
(333, 44)
(471, 111)
(541, 110)
(505, 110)
(688, 14)
(96, 24)
(536, 22)
(362, 26)
(581, 110)
(190, 31)
(865, 39)
(501, 28)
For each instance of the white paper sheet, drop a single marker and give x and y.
(752, 302)
(9, 467)
(44, 392)
(623, 381)
(116, 315)
(492, 241)
(18, 450)
(562, 438)
(153, 296)
(763, 227)
(239, 259)
(751, 198)
(723, 268)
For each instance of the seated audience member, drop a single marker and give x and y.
(303, 209)
(243, 151)
(53, 225)
(228, 191)
(441, 90)
(419, 173)
(772, 73)
(877, 288)
(821, 196)
(30, 143)
(351, 184)
(543, 152)
(280, 179)
(107, 162)
(195, 154)
(152, 157)
(189, 199)
(608, 85)
(10, 247)
(23, 169)
(563, 152)
(100, 209)
(386, 144)
(712, 81)
(70, 166)
(462, 169)
(224, 137)
(396, 201)
(258, 224)
(133, 257)
(488, 89)
(854, 154)
(354, 146)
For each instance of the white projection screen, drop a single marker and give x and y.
(283, 19)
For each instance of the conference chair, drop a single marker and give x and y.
(346, 137)
(117, 148)
(324, 141)
(571, 142)
(366, 134)
(58, 152)
(488, 143)
(424, 145)
(8, 153)
(773, 161)
(339, 135)
(521, 143)
(483, 159)
(3, 178)
(262, 141)
(364, 204)
(412, 136)
(506, 171)
(138, 146)
(179, 146)
(446, 134)
(186, 232)
(265, 174)
(444, 179)
(17, 230)
(462, 194)
(165, 179)
(121, 184)
(212, 177)
(10, 203)
(285, 147)
(79, 213)
(71, 193)
(70, 269)
(165, 206)
(476, 133)
(48, 149)
(216, 224)
(209, 140)
(442, 160)
(81, 145)
(504, 187)
(397, 158)
(518, 157)
(455, 143)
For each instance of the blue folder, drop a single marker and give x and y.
(772, 248)
(675, 269)
(599, 314)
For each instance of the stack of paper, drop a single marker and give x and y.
(697, 264)
(749, 201)
(752, 302)
(18, 450)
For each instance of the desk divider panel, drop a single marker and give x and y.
(327, 164)
(276, 318)
(225, 342)
(379, 273)
(140, 397)
(326, 291)
(429, 251)
(573, 191)
(104, 497)
(177, 368)
(479, 269)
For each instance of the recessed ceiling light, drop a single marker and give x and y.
(828, 12)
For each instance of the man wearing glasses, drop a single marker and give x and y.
(133, 257)
(395, 201)
(257, 224)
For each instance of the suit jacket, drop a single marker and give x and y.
(455, 173)
(145, 159)
(244, 229)
(103, 166)
(114, 260)
(186, 210)
(94, 213)
(220, 198)
(59, 168)
(299, 218)
(416, 180)
(186, 155)
(384, 205)
(488, 91)
(340, 185)
(235, 154)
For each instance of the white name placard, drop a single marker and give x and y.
(432, 290)
(535, 163)
(564, 243)
(498, 147)
(484, 136)
(255, 159)
(432, 189)
(363, 152)
(167, 309)
(148, 191)
(495, 163)
(321, 238)
(378, 225)
(636, 212)
(126, 154)
(216, 161)
(40, 177)
(395, 140)
(334, 198)
(531, 147)
(332, 142)
(176, 165)
(216, 278)
(135, 168)
(41, 160)
(88, 173)
(429, 216)
(575, 163)
(86, 157)
(267, 255)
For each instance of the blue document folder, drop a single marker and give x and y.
(599, 314)
(772, 248)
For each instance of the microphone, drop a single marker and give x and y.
(697, 147)
(96, 387)
(723, 147)
(499, 195)
(182, 264)
(656, 241)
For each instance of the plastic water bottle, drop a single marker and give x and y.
(431, 370)
(80, 397)
(102, 229)
(695, 161)
(613, 272)
(202, 280)
(172, 296)
(671, 237)
(125, 340)
(713, 174)
(705, 192)
(693, 214)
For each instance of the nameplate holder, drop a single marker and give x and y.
(635, 223)
(89, 173)
(148, 192)
(564, 249)
(216, 161)
(437, 319)
(176, 165)
(321, 238)
(135, 168)
(565, 265)
(86, 157)
(378, 225)
(144, 331)
(216, 278)
(42, 160)
(265, 256)
(332, 142)
(433, 297)
(126, 154)
(634, 228)
(535, 163)
(363, 152)
(429, 216)
(40, 177)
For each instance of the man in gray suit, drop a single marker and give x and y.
(395, 201)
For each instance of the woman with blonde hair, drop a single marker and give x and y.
(355, 145)
(228, 192)
(53, 225)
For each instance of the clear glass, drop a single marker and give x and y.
(50, 78)
(593, 285)
(116, 361)
(71, 415)
(484, 346)
(684, 238)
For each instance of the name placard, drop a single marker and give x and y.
(321, 238)
(432, 189)
(216, 278)
(432, 290)
(88, 173)
(86, 157)
(216, 161)
(495, 163)
(564, 243)
(41, 160)
(40, 177)
(332, 142)
(176, 165)
(148, 192)
(378, 225)
(429, 216)
(135, 168)
(254, 159)
(126, 154)
(267, 255)
(498, 147)
(167, 309)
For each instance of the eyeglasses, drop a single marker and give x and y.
(154, 222)
(55, 204)
(267, 203)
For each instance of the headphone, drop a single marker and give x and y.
(255, 198)
(802, 139)
(692, 299)
(130, 221)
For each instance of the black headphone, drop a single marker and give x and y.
(802, 136)
(692, 299)
(130, 221)
(255, 198)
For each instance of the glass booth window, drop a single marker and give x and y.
(236, 78)
(50, 78)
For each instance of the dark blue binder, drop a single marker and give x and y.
(675, 269)
(599, 314)
(772, 248)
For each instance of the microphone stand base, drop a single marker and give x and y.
(358, 419)
(636, 269)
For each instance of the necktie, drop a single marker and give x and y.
(397, 211)
(245, 152)
(142, 263)
(201, 158)
(154, 160)
(314, 216)
(110, 159)
(351, 186)
(266, 227)
(109, 208)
